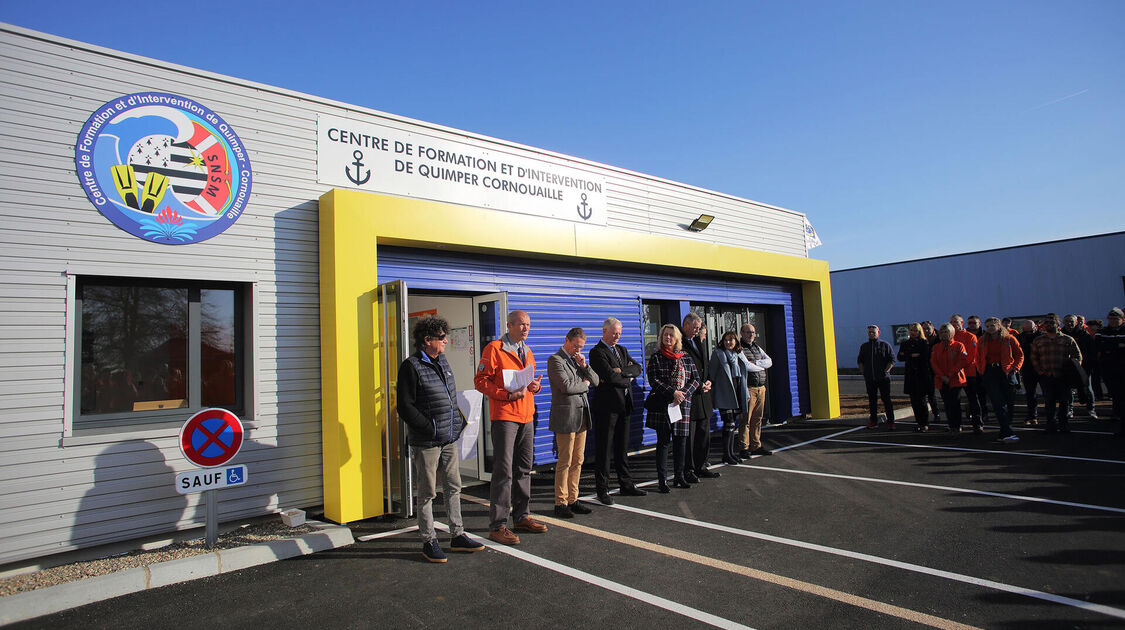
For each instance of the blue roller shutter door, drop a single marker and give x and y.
(559, 297)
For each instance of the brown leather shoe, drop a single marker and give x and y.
(504, 536)
(529, 525)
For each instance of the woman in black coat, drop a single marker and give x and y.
(672, 380)
(919, 380)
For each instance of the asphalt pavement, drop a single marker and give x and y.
(846, 527)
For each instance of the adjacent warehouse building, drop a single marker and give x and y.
(1084, 275)
(175, 240)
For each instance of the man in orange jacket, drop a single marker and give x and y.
(973, 389)
(511, 409)
(999, 358)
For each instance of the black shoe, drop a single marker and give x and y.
(731, 461)
(1064, 428)
(563, 511)
(978, 429)
(707, 474)
(761, 451)
(690, 478)
(681, 484)
(632, 491)
(663, 488)
(603, 496)
(744, 454)
(578, 508)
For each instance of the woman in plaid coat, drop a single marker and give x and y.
(672, 380)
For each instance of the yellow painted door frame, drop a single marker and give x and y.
(352, 226)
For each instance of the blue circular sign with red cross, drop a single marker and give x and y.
(211, 437)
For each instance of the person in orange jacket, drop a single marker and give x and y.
(511, 410)
(948, 360)
(999, 359)
(973, 390)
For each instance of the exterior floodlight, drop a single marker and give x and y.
(701, 223)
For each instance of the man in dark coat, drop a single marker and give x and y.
(1111, 362)
(1086, 345)
(612, 407)
(701, 404)
(875, 362)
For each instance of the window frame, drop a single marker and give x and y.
(79, 428)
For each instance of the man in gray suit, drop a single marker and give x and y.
(571, 377)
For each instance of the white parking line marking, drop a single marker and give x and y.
(895, 482)
(916, 568)
(616, 587)
(394, 532)
(593, 497)
(981, 450)
(819, 439)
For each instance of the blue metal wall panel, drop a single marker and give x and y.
(1082, 275)
(559, 297)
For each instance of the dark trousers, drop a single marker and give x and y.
(1115, 384)
(1056, 399)
(1096, 382)
(951, 398)
(699, 444)
(875, 391)
(918, 404)
(1001, 390)
(679, 444)
(611, 440)
(974, 392)
(1031, 399)
(1085, 395)
(932, 398)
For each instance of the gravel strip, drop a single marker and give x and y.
(246, 535)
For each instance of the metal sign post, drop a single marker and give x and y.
(212, 531)
(210, 439)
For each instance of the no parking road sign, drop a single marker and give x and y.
(211, 437)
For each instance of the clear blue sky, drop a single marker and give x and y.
(902, 129)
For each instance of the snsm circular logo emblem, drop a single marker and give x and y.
(163, 168)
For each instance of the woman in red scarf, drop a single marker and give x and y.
(672, 381)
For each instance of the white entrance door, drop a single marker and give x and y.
(490, 315)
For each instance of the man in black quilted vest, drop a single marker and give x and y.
(427, 404)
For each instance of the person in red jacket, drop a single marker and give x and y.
(511, 409)
(973, 389)
(948, 360)
(999, 359)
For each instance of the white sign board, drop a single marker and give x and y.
(376, 158)
(210, 479)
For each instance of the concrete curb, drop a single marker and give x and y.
(45, 601)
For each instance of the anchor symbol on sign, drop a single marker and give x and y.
(358, 155)
(585, 210)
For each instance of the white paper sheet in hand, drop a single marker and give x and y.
(674, 413)
(515, 380)
(470, 402)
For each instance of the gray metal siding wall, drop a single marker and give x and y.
(1082, 275)
(59, 493)
(559, 297)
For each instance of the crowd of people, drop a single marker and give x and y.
(686, 386)
(1058, 360)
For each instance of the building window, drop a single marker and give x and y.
(151, 350)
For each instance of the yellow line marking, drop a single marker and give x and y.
(773, 578)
